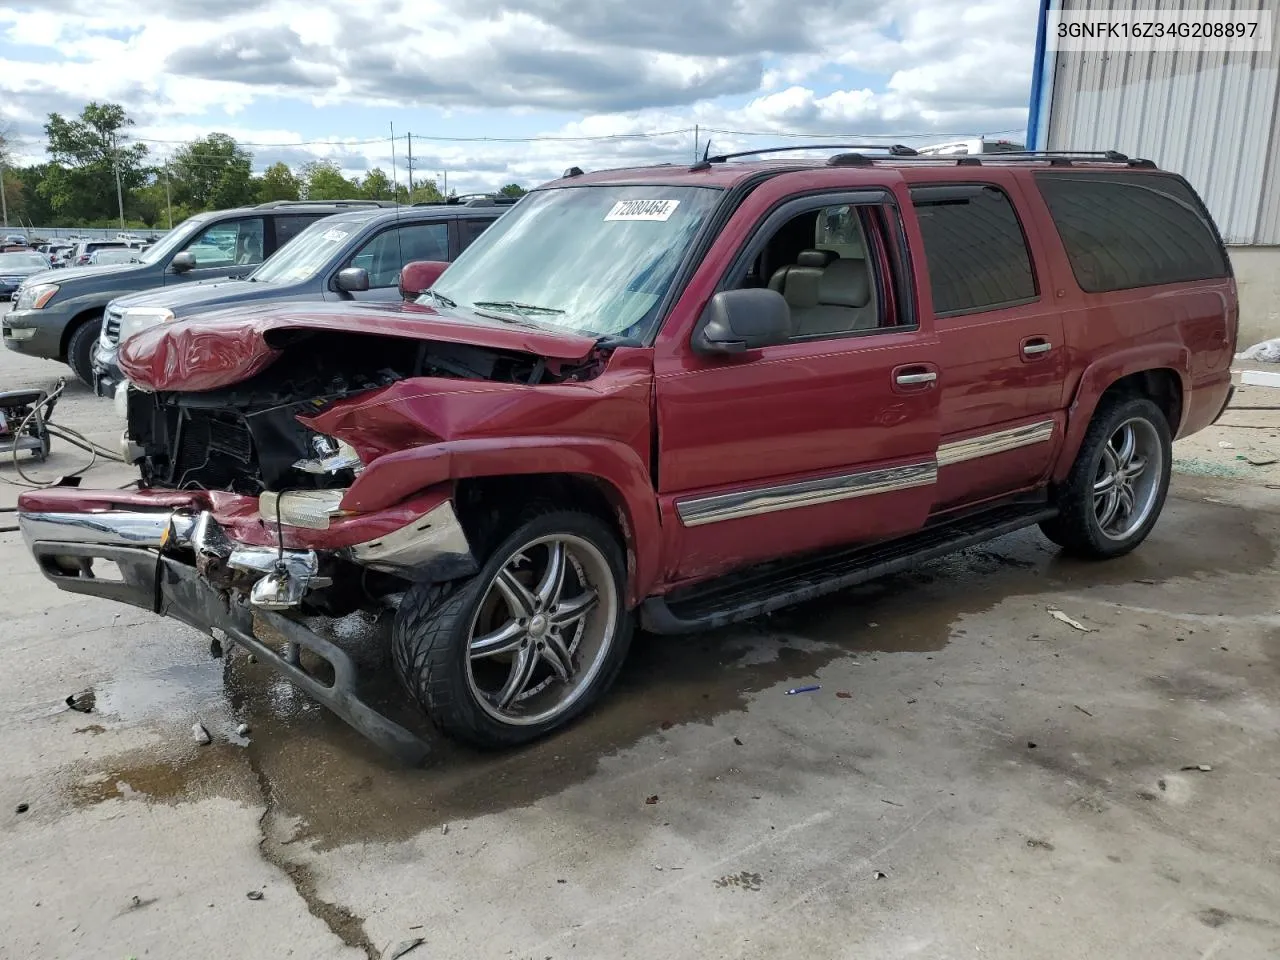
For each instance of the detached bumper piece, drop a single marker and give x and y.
(141, 543)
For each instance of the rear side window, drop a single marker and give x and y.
(468, 230)
(1132, 230)
(975, 248)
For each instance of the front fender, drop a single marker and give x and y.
(614, 464)
(1101, 374)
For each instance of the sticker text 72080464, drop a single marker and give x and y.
(642, 210)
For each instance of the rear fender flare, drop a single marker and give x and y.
(1101, 374)
(619, 470)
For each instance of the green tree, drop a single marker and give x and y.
(278, 183)
(376, 185)
(87, 152)
(426, 192)
(33, 205)
(323, 180)
(212, 173)
(512, 190)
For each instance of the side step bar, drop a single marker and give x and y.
(772, 586)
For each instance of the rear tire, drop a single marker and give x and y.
(1116, 489)
(80, 348)
(528, 643)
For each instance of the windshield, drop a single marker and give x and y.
(593, 260)
(173, 241)
(304, 256)
(18, 261)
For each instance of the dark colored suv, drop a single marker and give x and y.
(350, 256)
(672, 396)
(59, 315)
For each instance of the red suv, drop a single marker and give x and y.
(682, 396)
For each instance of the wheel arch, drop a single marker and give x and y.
(1157, 373)
(78, 320)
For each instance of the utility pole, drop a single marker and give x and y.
(444, 184)
(168, 200)
(115, 144)
(4, 204)
(695, 143)
(410, 136)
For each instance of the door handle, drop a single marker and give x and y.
(912, 379)
(1034, 348)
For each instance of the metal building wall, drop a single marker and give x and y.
(1214, 117)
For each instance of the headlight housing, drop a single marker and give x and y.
(35, 296)
(331, 456)
(136, 319)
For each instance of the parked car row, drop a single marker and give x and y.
(676, 396)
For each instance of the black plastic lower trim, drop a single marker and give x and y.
(772, 586)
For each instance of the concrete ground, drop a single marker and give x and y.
(975, 778)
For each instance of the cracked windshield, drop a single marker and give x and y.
(593, 260)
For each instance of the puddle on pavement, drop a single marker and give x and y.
(345, 790)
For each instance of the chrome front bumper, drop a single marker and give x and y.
(184, 566)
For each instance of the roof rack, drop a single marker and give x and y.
(470, 200)
(271, 204)
(1056, 158)
(894, 150)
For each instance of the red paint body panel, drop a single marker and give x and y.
(728, 424)
(223, 347)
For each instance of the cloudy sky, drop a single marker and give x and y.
(307, 79)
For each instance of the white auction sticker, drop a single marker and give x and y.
(334, 235)
(643, 210)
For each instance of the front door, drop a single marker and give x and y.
(827, 439)
(228, 248)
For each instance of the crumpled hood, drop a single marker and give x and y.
(222, 347)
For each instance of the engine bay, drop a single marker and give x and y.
(246, 438)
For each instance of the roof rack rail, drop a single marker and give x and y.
(1064, 157)
(271, 204)
(470, 200)
(894, 150)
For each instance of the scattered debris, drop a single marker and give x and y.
(444, 829)
(873, 625)
(1258, 378)
(1261, 459)
(737, 742)
(794, 690)
(1031, 744)
(242, 730)
(1267, 351)
(1148, 581)
(879, 875)
(844, 694)
(1082, 710)
(22, 808)
(651, 799)
(741, 881)
(404, 946)
(1038, 844)
(562, 881)
(892, 803)
(911, 701)
(1162, 784)
(1063, 618)
(82, 702)
(667, 725)
(201, 734)
(1202, 767)
(1226, 445)
(254, 894)
(1213, 917)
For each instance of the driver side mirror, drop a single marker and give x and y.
(417, 278)
(352, 280)
(182, 262)
(739, 320)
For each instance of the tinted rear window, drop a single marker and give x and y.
(1123, 231)
(973, 242)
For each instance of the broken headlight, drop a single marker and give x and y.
(331, 456)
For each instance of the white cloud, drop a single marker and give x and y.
(844, 67)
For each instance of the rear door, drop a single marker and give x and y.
(827, 439)
(1001, 335)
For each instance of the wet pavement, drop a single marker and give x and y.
(973, 778)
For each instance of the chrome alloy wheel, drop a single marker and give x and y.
(1126, 485)
(543, 630)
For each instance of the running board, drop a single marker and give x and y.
(772, 586)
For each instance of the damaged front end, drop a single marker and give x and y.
(250, 517)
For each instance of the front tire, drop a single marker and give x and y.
(528, 643)
(1117, 486)
(80, 348)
